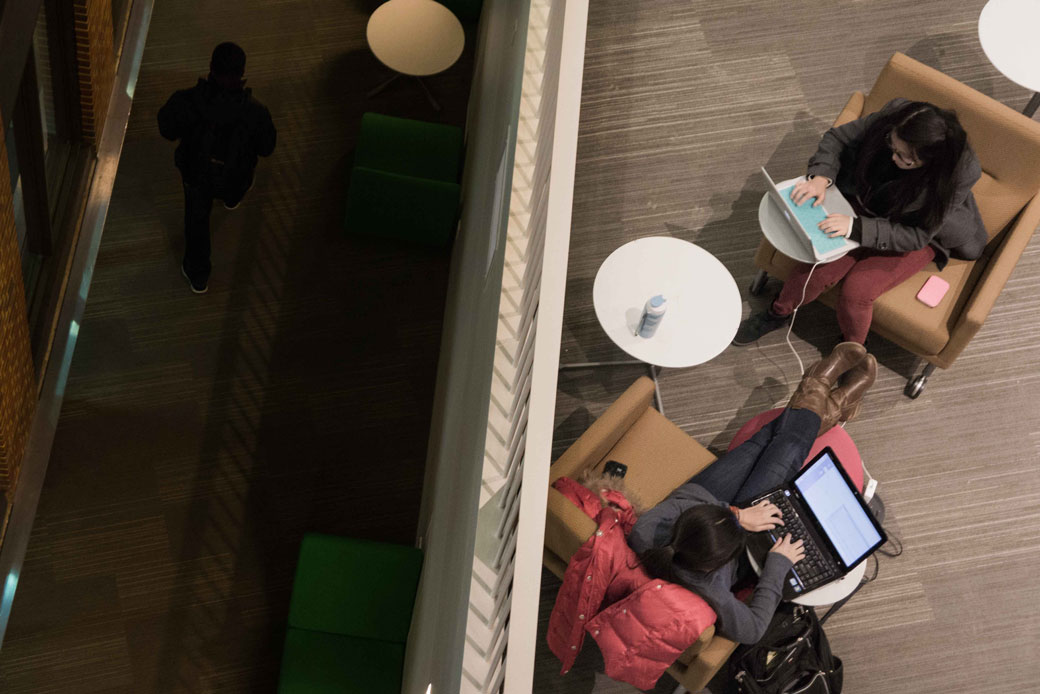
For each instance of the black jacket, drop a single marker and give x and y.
(181, 116)
(960, 235)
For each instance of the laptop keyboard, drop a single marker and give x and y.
(816, 568)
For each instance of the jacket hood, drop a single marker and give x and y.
(218, 104)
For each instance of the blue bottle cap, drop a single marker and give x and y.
(657, 301)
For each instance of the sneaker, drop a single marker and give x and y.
(197, 287)
(240, 199)
(758, 325)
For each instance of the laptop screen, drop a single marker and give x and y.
(825, 490)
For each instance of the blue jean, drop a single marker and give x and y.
(767, 460)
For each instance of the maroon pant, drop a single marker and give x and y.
(868, 274)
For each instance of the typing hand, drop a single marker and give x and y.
(762, 516)
(795, 551)
(816, 188)
(836, 225)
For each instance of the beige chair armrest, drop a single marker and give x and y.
(708, 662)
(853, 109)
(688, 656)
(605, 432)
(566, 529)
(994, 277)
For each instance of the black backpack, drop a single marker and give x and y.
(793, 657)
(219, 157)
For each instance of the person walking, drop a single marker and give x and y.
(222, 131)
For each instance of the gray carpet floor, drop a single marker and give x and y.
(682, 102)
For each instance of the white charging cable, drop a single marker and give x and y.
(870, 488)
(871, 482)
(794, 314)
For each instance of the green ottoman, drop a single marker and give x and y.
(390, 205)
(349, 616)
(314, 662)
(465, 10)
(404, 182)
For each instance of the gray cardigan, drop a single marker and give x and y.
(738, 621)
(961, 233)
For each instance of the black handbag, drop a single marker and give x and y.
(793, 657)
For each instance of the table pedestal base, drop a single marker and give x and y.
(426, 91)
(630, 362)
(1033, 104)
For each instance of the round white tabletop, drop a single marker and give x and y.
(780, 234)
(1008, 34)
(415, 37)
(826, 594)
(703, 309)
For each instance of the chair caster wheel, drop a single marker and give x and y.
(915, 386)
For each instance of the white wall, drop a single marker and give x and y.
(448, 516)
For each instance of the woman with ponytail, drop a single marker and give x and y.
(907, 170)
(696, 536)
(696, 540)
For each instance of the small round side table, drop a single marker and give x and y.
(1007, 32)
(703, 304)
(417, 38)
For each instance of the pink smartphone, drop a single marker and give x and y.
(933, 291)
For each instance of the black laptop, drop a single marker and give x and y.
(821, 506)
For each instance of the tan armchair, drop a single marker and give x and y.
(1008, 146)
(660, 457)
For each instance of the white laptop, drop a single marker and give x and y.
(804, 219)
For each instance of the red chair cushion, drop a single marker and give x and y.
(839, 441)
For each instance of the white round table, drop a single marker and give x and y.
(780, 234)
(828, 594)
(416, 38)
(1008, 34)
(703, 309)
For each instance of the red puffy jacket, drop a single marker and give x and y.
(641, 624)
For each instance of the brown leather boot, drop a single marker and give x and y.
(814, 392)
(814, 396)
(842, 358)
(849, 395)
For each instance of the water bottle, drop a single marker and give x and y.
(653, 312)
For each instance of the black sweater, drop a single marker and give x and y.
(738, 621)
(960, 235)
(180, 117)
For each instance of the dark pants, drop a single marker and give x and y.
(198, 201)
(767, 460)
(197, 205)
(867, 273)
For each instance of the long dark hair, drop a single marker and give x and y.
(704, 538)
(937, 139)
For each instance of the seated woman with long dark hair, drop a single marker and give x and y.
(696, 538)
(907, 170)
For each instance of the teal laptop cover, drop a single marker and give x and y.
(809, 218)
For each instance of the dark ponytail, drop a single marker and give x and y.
(704, 538)
(937, 139)
(659, 562)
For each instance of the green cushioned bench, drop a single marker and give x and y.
(349, 616)
(405, 180)
(465, 10)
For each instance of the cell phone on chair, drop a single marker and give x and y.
(933, 291)
(615, 469)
